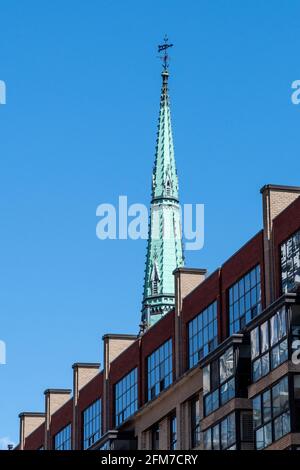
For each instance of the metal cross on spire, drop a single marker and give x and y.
(163, 48)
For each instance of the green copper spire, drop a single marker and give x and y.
(164, 251)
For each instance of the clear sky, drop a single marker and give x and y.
(78, 129)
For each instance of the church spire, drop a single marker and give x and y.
(164, 251)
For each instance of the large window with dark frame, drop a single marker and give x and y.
(219, 381)
(222, 436)
(244, 300)
(195, 422)
(126, 397)
(155, 437)
(269, 344)
(63, 439)
(160, 370)
(271, 414)
(290, 262)
(203, 334)
(92, 424)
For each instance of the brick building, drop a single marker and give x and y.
(216, 372)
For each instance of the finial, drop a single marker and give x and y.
(164, 57)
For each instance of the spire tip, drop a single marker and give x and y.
(163, 48)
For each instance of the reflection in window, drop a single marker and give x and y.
(62, 440)
(195, 422)
(222, 436)
(160, 369)
(126, 397)
(290, 262)
(269, 346)
(203, 334)
(173, 432)
(244, 300)
(219, 381)
(271, 414)
(92, 424)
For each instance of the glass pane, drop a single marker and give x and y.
(274, 330)
(264, 337)
(216, 437)
(282, 327)
(256, 370)
(207, 440)
(257, 415)
(206, 380)
(265, 364)
(226, 365)
(268, 434)
(266, 400)
(231, 429)
(227, 391)
(224, 434)
(254, 343)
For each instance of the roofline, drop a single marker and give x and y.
(32, 414)
(118, 336)
(279, 187)
(87, 365)
(190, 270)
(58, 391)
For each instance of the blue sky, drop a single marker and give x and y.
(78, 129)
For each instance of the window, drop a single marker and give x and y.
(168, 189)
(160, 369)
(290, 262)
(269, 346)
(126, 401)
(154, 287)
(155, 437)
(203, 334)
(62, 440)
(271, 414)
(173, 432)
(92, 424)
(195, 422)
(244, 300)
(222, 436)
(219, 381)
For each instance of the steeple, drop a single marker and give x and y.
(164, 250)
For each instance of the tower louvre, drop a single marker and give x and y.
(164, 250)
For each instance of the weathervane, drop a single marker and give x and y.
(164, 49)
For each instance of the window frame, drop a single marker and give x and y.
(197, 353)
(155, 387)
(173, 431)
(210, 433)
(88, 441)
(155, 437)
(68, 431)
(215, 391)
(235, 299)
(284, 284)
(195, 421)
(121, 414)
(266, 354)
(273, 417)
